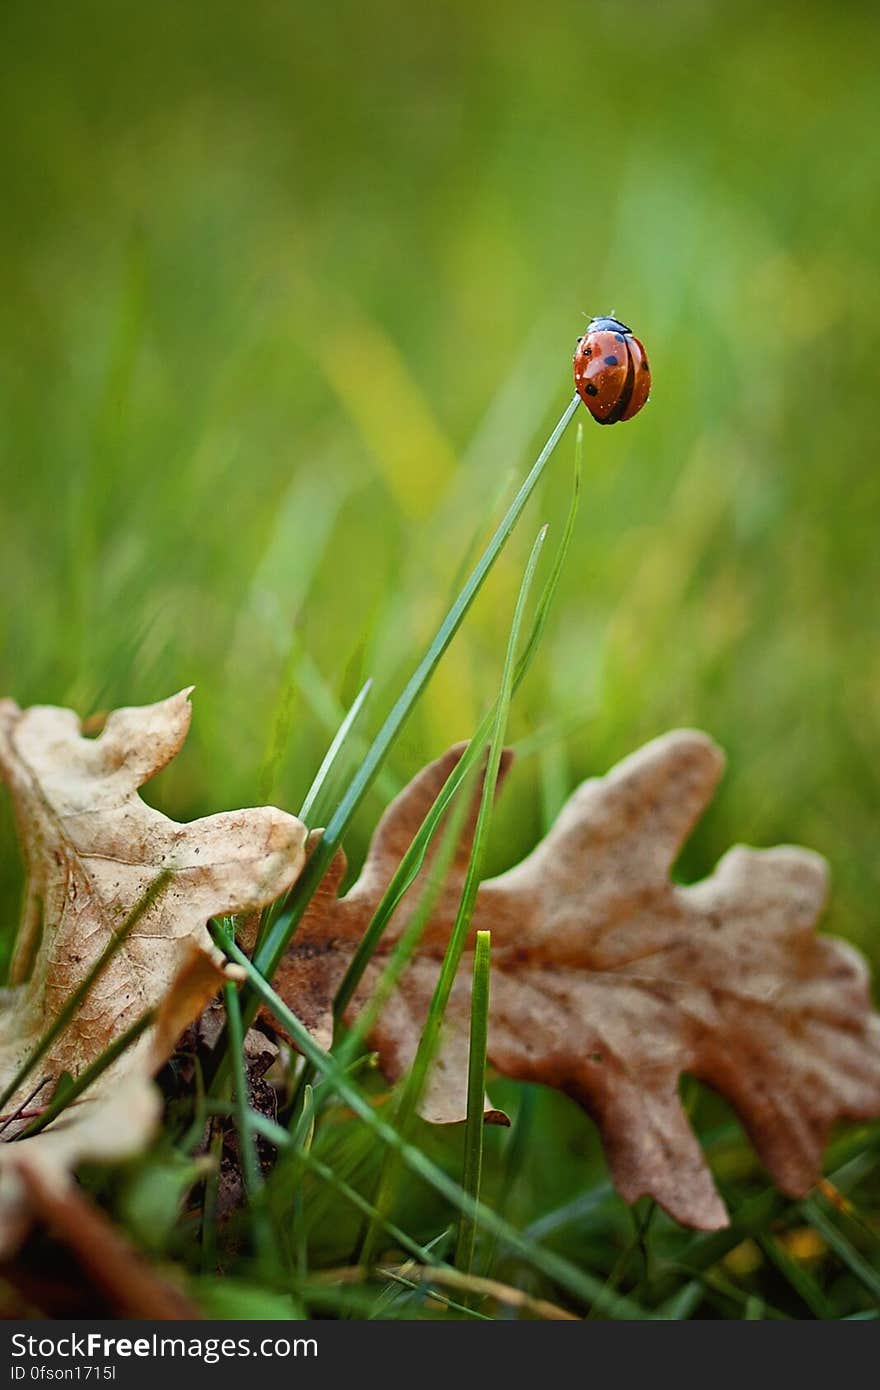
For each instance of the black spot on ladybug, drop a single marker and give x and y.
(588, 352)
(611, 361)
(645, 367)
(591, 390)
(620, 338)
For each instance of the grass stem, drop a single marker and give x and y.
(476, 1099)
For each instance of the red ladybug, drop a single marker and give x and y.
(611, 371)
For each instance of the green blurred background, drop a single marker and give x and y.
(288, 297)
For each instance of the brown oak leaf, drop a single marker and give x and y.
(106, 1277)
(609, 981)
(93, 850)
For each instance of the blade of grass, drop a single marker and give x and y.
(411, 935)
(621, 1266)
(479, 530)
(302, 1135)
(87, 1077)
(579, 1209)
(208, 1252)
(277, 937)
(548, 593)
(283, 1141)
(515, 1152)
(24, 1105)
(73, 1002)
(404, 948)
(843, 1248)
(476, 1098)
(682, 1304)
(414, 1085)
(475, 1285)
(426, 1289)
(263, 1241)
(394, 1295)
(754, 1215)
(331, 757)
(325, 706)
(720, 1292)
(347, 1302)
(303, 1130)
(407, 871)
(414, 857)
(365, 1208)
(577, 1282)
(276, 944)
(800, 1279)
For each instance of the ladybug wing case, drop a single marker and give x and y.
(601, 367)
(641, 379)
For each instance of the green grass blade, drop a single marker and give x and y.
(74, 1001)
(276, 943)
(800, 1279)
(431, 1031)
(407, 870)
(301, 1155)
(578, 1210)
(262, 1235)
(277, 934)
(286, 1143)
(91, 1074)
(331, 756)
(843, 1248)
(549, 592)
(404, 948)
(683, 1303)
(473, 1135)
(250, 1171)
(302, 1131)
(208, 1252)
(325, 707)
(579, 1284)
(414, 1085)
(410, 937)
(425, 1289)
(412, 861)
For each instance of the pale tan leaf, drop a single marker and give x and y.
(93, 849)
(610, 982)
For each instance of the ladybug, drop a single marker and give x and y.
(611, 371)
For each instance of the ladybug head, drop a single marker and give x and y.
(607, 324)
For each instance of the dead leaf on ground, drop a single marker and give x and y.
(112, 1269)
(609, 981)
(92, 851)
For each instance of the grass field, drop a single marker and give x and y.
(288, 296)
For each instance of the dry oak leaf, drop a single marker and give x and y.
(92, 850)
(109, 1272)
(609, 981)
